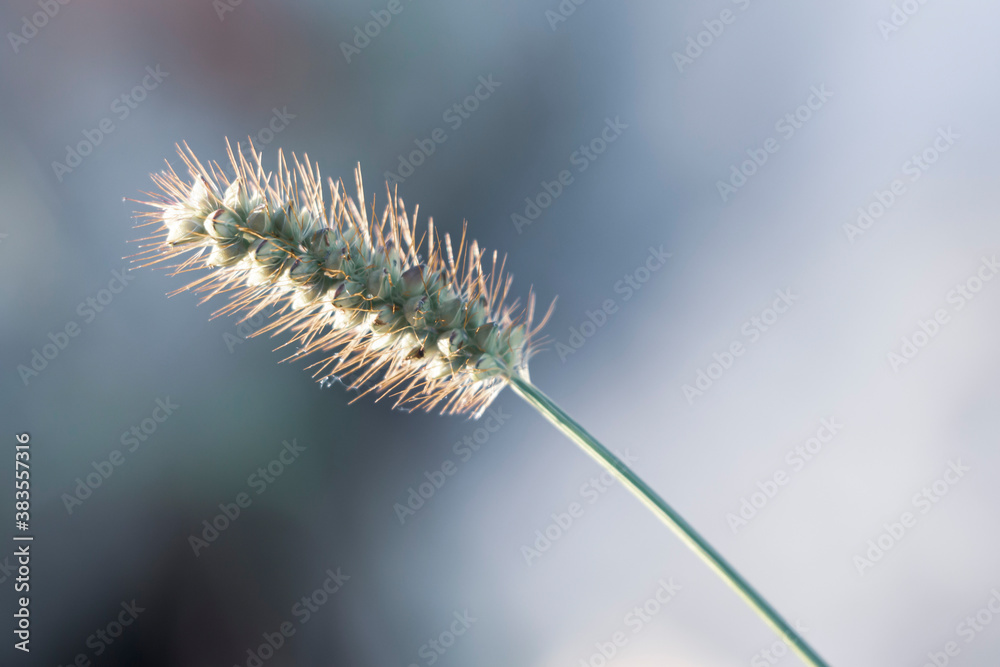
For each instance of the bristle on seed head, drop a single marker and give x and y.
(429, 333)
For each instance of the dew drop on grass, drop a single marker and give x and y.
(329, 381)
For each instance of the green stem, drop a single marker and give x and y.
(682, 528)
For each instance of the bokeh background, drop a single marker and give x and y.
(234, 70)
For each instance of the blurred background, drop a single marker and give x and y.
(816, 358)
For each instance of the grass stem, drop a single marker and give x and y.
(667, 514)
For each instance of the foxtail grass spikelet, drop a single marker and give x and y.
(429, 333)
(432, 332)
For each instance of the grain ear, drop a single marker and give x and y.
(343, 282)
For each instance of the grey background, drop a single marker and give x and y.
(655, 185)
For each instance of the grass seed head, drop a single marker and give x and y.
(391, 310)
